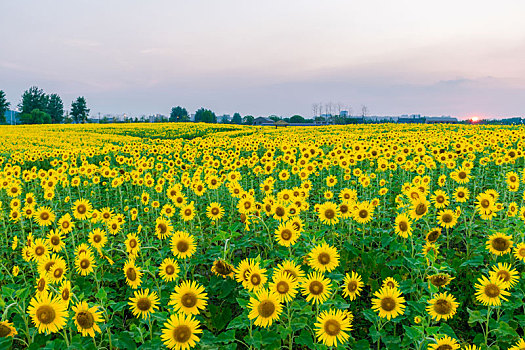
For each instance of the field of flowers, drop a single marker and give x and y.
(228, 237)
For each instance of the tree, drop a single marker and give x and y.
(274, 118)
(178, 114)
(55, 108)
(79, 110)
(364, 111)
(224, 119)
(205, 116)
(237, 119)
(248, 119)
(35, 117)
(297, 119)
(4, 106)
(33, 98)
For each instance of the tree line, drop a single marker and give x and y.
(37, 107)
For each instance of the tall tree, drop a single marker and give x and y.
(237, 119)
(35, 117)
(33, 98)
(179, 114)
(297, 119)
(55, 108)
(205, 116)
(249, 119)
(79, 110)
(4, 106)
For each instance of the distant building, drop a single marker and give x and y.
(263, 121)
(12, 117)
(343, 114)
(442, 120)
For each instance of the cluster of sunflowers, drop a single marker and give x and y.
(194, 235)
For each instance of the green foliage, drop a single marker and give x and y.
(33, 98)
(179, 114)
(205, 116)
(4, 106)
(35, 117)
(79, 110)
(55, 108)
(237, 119)
(248, 119)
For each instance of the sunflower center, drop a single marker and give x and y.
(447, 218)
(84, 264)
(403, 226)
(492, 290)
(440, 199)
(182, 334)
(323, 258)
(332, 327)
(4, 331)
(433, 236)
(143, 304)
(170, 270)
(255, 279)
(162, 227)
(214, 211)
(44, 216)
(521, 252)
(131, 274)
(329, 213)
(352, 286)
(65, 294)
(461, 194)
(58, 273)
(462, 175)
(45, 314)
(55, 240)
(444, 347)
(97, 238)
(65, 224)
(363, 213)
(316, 288)
(41, 285)
(388, 304)
(183, 246)
(188, 300)
(500, 244)
(81, 209)
(442, 307)
(85, 319)
(504, 275)
(132, 243)
(49, 265)
(282, 287)
(344, 208)
(485, 203)
(279, 211)
(266, 308)
(187, 212)
(39, 251)
(286, 234)
(438, 281)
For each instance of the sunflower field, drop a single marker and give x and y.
(209, 236)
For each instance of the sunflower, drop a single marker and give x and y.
(55, 240)
(215, 211)
(132, 273)
(169, 270)
(403, 225)
(243, 269)
(58, 270)
(440, 279)
(292, 268)
(39, 249)
(286, 234)
(280, 211)
(65, 223)
(222, 268)
(256, 278)
(433, 235)
(189, 297)
(499, 243)
(461, 194)
(143, 303)
(316, 287)
(87, 318)
(491, 291)
(163, 227)
(48, 314)
(180, 332)
(323, 258)
(388, 302)
(265, 308)
(332, 327)
(442, 306)
(85, 262)
(182, 244)
(329, 213)
(519, 251)
(353, 285)
(390, 283)
(97, 238)
(187, 212)
(7, 329)
(106, 214)
(447, 218)
(132, 244)
(65, 292)
(44, 216)
(42, 284)
(444, 343)
(81, 209)
(284, 285)
(363, 212)
(520, 345)
(505, 273)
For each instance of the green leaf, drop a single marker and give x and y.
(475, 317)
(305, 339)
